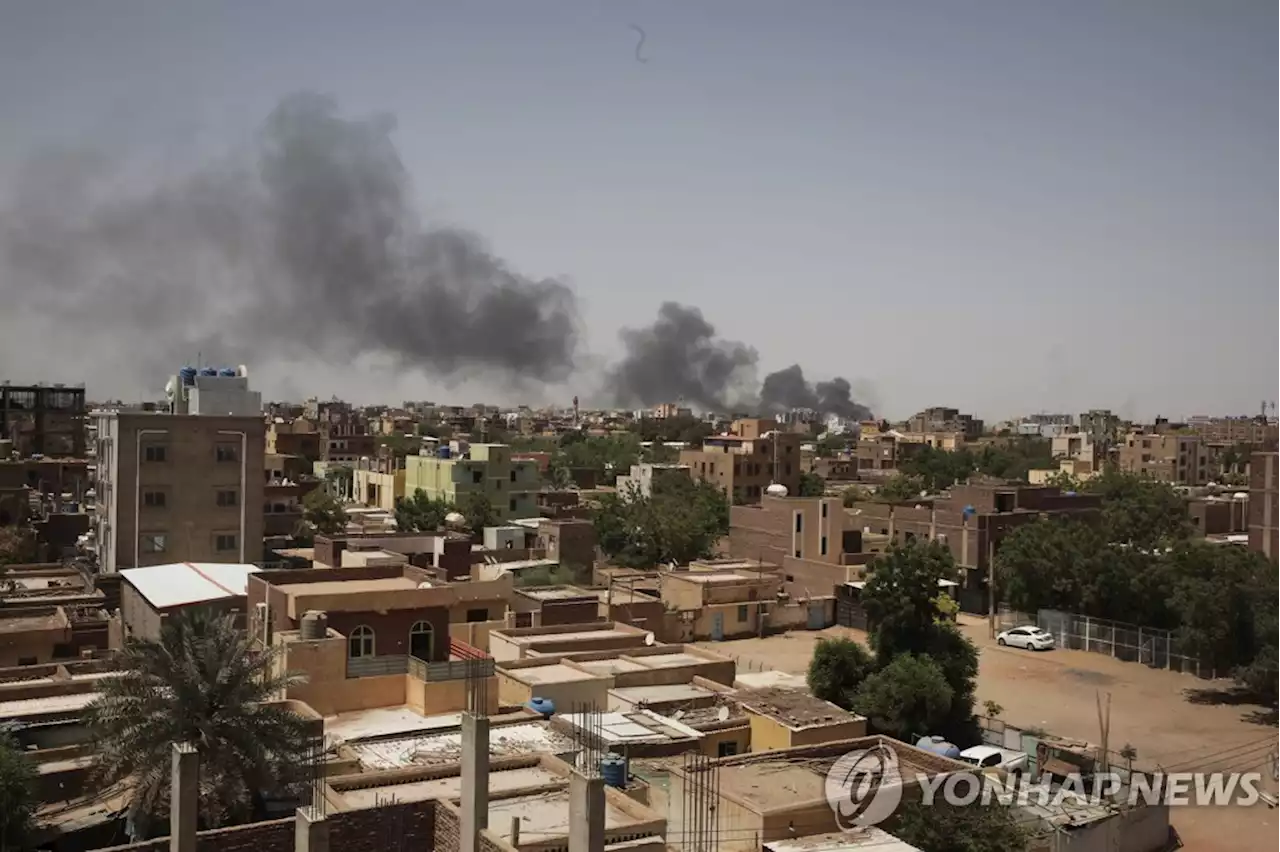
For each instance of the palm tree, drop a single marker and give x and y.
(203, 683)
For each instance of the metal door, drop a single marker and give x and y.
(816, 617)
(717, 626)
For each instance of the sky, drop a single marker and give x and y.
(1000, 206)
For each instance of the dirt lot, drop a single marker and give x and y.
(1177, 721)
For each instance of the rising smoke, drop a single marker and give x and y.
(311, 250)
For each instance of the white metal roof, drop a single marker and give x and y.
(181, 583)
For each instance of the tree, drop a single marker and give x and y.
(900, 488)
(479, 511)
(908, 698)
(953, 828)
(836, 670)
(1048, 563)
(811, 485)
(1215, 588)
(992, 709)
(17, 794)
(339, 480)
(202, 683)
(324, 513)
(680, 522)
(937, 469)
(420, 513)
(853, 494)
(1138, 510)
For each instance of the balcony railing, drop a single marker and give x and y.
(389, 664)
(450, 669)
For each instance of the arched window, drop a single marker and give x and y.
(421, 640)
(360, 642)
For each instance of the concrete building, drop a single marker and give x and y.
(787, 718)
(1101, 426)
(1258, 431)
(1264, 503)
(1174, 458)
(45, 420)
(645, 478)
(487, 469)
(150, 595)
(521, 643)
(743, 463)
(178, 487)
(945, 420)
(379, 482)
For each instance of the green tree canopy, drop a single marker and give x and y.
(906, 699)
(951, 828)
(838, 668)
(607, 456)
(1138, 510)
(811, 485)
(479, 511)
(420, 513)
(202, 683)
(324, 513)
(679, 523)
(17, 795)
(900, 488)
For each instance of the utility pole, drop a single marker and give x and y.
(991, 585)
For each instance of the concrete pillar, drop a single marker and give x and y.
(933, 523)
(184, 798)
(891, 530)
(475, 781)
(311, 832)
(586, 813)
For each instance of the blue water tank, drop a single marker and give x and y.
(228, 372)
(542, 706)
(969, 511)
(938, 745)
(209, 371)
(613, 769)
(188, 375)
(1069, 493)
(442, 453)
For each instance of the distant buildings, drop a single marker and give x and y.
(1178, 459)
(487, 469)
(43, 420)
(753, 456)
(645, 478)
(1255, 430)
(941, 419)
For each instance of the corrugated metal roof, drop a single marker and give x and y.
(181, 583)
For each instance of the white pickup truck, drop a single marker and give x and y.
(990, 757)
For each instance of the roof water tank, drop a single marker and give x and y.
(209, 371)
(1240, 495)
(542, 706)
(315, 625)
(1069, 494)
(776, 490)
(969, 511)
(613, 769)
(188, 375)
(938, 745)
(442, 453)
(229, 372)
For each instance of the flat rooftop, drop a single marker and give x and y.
(55, 620)
(545, 815)
(449, 787)
(576, 636)
(635, 727)
(719, 577)
(48, 704)
(859, 840)
(768, 785)
(771, 679)
(662, 694)
(435, 749)
(793, 708)
(182, 583)
(612, 666)
(672, 660)
(554, 673)
(555, 593)
(336, 587)
(385, 721)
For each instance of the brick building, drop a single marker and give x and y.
(942, 419)
(1176, 458)
(747, 460)
(1264, 504)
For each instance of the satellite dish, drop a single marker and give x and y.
(649, 640)
(723, 715)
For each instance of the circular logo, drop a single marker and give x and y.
(864, 787)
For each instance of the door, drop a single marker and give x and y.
(816, 615)
(717, 626)
(421, 641)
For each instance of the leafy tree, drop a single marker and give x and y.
(953, 828)
(992, 709)
(836, 670)
(1214, 595)
(606, 456)
(202, 683)
(832, 445)
(907, 698)
(17, 795)
(900, 488)
(420, 513)
(853, 494)
(679, 523)
(1138, 510)
(323, 513)
(690, 430)
(479, 511)
(339, 480)
(811, 485)
(937, 469)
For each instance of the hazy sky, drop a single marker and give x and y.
(1001, 206)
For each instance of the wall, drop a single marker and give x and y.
(740, 736)
(327, 688)
(740, 828)
(392, 627)
(564, 694)
(581, 611)
(446, 696)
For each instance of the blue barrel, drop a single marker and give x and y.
(613, 769)
(542, 706)
(938, 745)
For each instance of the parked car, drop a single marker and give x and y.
(990, 757)
(1031, 637)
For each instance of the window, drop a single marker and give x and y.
(742, 612)
(791, 578)
(224, 541)
(153, 499)
(154, 453)
(422, 638)
(226, 453)
(513, 476)
(822, 546)
(360, 642)
(798, 556)
(824, 509)
(799, 522)
(477, 476)
(154, 542)
(228, 498)
(511, 504)
(474, 615)
(727, 749)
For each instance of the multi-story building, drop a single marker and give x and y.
(942, 419)
(1258, 431)
(645, 478)
(1101, 425)
(753, 456)
(45, 420)
(1175, 458)
(487, 469)
(1264, 503)
(185, 486)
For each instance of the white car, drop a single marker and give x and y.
(990, 757)
(1026, 637)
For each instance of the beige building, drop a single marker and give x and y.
(754, 455)
(488, 469)
(1264, 503)
(1176, 459)
(178, 488)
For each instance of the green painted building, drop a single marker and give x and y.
(511, 486)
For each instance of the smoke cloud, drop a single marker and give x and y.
(788, 388)
(311, 250)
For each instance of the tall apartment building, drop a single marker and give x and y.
(1174, 458)
(46, 420)
(1100, 425)
(511, 486)
(1264, 503)
(184, 485)
(1255, 430)
(942, 419)
(743, 463)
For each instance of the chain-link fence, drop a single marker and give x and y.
(1132, 643)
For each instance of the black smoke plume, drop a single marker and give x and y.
(309, 249)
(788, 388)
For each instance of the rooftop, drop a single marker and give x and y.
(770, 785)
(770, 679)
(31, 621)
(49, 704)
(545, 815)
(182, 583)
(334, 587)
(435, 749)
(552, 673)
(860, 840)
(385, 721)
(555, 593)
(663, 694)
(793, 708)
(446, 787)
(634, 727)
